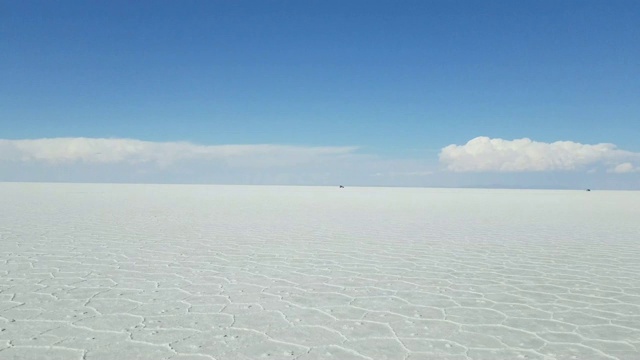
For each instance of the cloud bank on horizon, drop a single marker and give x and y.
(163, 154)
(120, 159)
(483, 154)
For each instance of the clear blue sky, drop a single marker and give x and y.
(398, 78)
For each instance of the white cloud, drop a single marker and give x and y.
(137, 161)
(131, 151)
(131, 160)
(625, 168)
(484, 154)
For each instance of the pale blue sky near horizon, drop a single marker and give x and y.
(398, 79)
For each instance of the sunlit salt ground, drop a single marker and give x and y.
(232, 272)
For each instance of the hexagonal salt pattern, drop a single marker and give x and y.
(232, 272)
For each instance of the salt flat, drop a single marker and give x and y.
(241, 272)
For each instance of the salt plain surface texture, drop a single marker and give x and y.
(232, 272)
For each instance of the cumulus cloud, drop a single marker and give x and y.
(625, 168)
(484, 154)
(132, 151)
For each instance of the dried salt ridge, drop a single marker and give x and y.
(212, 272)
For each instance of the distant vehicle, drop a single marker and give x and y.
(588, 189)
(341, 187)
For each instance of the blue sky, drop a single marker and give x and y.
(399, 80)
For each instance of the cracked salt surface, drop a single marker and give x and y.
(240, 272)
